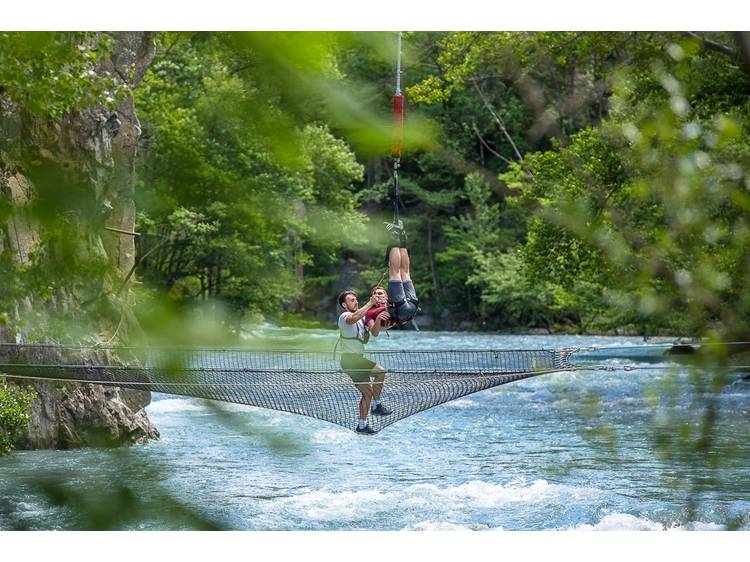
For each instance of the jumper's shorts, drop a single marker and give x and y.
(404, 298)
(357, 367)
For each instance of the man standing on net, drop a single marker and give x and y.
(354, 336)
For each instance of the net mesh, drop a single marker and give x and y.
(301, 382)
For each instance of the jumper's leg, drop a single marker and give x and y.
(394, 264)
(404, 262)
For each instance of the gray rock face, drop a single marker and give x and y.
(68, 415)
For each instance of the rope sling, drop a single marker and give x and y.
(397, 141)
(398, 135)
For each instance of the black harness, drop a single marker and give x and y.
(392, 306)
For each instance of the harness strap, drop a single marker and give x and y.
(354, 338)
(398, 323)
(362, 339)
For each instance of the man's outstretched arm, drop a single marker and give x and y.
(355, 317)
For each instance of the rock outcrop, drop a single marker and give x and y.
(67, 415)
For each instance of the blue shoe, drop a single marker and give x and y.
(381, 410)
(366, 430)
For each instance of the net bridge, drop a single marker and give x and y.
(301, 382)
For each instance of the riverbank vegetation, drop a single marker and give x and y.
(15, 412)
(584, 182)
(568, 181)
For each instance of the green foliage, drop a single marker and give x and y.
(612, 169)
(650, 204)
(467, 237)
(247, 214)
(508, 293)
(50, 73)
(15, 406)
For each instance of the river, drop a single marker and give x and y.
(587, 450)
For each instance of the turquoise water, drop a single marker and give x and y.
(567, 451)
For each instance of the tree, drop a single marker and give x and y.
(262, 202)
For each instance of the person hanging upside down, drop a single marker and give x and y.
(404, 304)
(354, 336)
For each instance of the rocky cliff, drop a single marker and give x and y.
(91, 153)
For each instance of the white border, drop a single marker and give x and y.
(374, 15)
(433, 546)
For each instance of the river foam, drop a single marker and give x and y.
(627, 522)
(175, 405)
(473, 495)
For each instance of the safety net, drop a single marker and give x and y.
(301, 382)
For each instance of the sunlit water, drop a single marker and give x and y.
(567, 451)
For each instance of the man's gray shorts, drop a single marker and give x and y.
(404, 298)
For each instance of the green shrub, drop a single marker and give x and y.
(15, 407)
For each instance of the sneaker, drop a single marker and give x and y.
(382, 411)
(366, 430)
(397, 226)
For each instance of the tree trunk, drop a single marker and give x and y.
(295, 255)
(431, 259)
